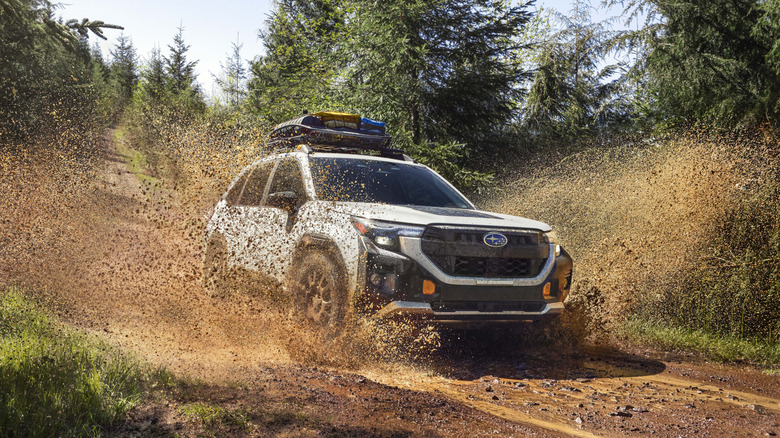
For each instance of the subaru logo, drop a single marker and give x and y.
(495, 240)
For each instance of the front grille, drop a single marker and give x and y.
(491, 267)
(486, 306)
(461, 252)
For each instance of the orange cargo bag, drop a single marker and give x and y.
(333, 119)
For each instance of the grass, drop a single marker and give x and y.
(55, 381)
(215, 416)
(218, 420)
(719, 348)
(136, 161)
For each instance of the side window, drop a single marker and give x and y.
(235, 190)
(255, 187)
(288, 178)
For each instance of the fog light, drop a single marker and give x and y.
(385, 241)
(428, 287)
(375, 279)
(546, 290)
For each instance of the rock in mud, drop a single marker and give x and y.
(621, 414)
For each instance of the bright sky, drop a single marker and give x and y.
(209, 27)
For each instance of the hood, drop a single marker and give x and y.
(420, 215)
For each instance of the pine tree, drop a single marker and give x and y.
(299, 64)
(154, 79)
(100, 70)
(44, 66)
(711, 62)
(124, 65)
(182, 82)
(181, 72)
(101, 83)
(233, 79)
(573, 93)
(439, 70)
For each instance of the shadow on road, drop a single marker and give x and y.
(497, 352)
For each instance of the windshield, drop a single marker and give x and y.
(360, 180)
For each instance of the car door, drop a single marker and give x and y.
(252, 218)
(226, 218)
(286, 195)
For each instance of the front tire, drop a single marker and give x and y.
(318, 288)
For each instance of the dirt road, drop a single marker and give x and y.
(122, 259)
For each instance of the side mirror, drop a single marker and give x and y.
(286, 201)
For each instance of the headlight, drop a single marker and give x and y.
(551, 237)
(385, 234)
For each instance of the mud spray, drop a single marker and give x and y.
(111, 236)
(638, 217)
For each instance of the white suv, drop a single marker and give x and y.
(340, 232)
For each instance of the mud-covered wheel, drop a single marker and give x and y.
(215, 268)
(317, 285)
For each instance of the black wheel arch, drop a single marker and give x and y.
(314, 241)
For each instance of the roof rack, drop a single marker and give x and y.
(397, 154)
(334, 132)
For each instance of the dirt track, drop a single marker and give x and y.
(124, 261)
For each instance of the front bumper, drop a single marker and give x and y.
(405, 309)
(455, 300)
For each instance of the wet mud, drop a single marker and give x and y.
(117, 253)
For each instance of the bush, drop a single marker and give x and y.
(735, 290)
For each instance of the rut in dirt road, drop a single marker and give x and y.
(607, 394)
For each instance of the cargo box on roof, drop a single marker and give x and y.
(331, 129)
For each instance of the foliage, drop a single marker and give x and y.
(444, 157)
(573, 93)
(709, 62)
(19, 12)
(45, 71)
(153, 80)
(437, 71)
(166, 99)
(295, 74)
(101, 84)
(123, 70)
(718, 347)
(181, 79)
(55, 381)
(736, 286)
(233, 79)
(168, 84)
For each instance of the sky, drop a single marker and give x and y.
(210, 27)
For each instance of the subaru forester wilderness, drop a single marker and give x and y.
(344, 224)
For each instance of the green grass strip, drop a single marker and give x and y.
(717, 347)
(136, 161)
(55, 381)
